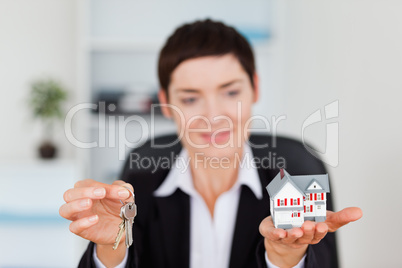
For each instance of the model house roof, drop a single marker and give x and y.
(312, 183)
(304, 183)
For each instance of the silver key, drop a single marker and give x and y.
(122, 226)
(129, 212)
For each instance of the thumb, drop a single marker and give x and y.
(335, 220)
(128, 187)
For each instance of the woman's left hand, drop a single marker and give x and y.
(285, 248)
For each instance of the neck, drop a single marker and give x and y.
(213, 176)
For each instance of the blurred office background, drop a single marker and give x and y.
(309, 54)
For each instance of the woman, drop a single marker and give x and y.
(215, 211)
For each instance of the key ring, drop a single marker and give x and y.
(131, 193)
(127, 213)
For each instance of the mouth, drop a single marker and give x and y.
(217, 136)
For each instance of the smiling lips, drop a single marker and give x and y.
(217, 136)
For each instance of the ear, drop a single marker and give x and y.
(256, 88)
(162, 96)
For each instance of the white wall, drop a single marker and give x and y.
(346, 50)
(351, 51)
(37, 40)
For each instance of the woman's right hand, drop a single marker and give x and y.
(94, 209)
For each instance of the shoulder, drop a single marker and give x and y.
(285, 152)
(159, 146)
(274, 141)
(147, 166)
(152, 160)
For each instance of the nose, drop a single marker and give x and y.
(213, 109)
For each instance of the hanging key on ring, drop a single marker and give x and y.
(127, 213)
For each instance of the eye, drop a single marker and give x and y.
(233, 93)
(188, 100)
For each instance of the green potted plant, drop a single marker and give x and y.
(46, 100)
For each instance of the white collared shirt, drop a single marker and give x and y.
(210, 238)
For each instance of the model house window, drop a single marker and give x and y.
(319, 197)
(296, 214)
(282, 202)
(319, 207)
(308, 197)
(295, 202)
(307, 209)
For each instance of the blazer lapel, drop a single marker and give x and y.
(174, 213)
(250, 213)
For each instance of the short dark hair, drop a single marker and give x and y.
(203, 38)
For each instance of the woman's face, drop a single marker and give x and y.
(210, 100)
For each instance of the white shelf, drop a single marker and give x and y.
(150, 46)
(96, 123)
(124, 45)
(119, 46)
(31, 193)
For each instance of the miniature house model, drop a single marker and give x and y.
(294, 199)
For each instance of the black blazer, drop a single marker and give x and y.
(162, 226)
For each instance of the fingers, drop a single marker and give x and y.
(126, 186)
(321, 230)
(68, 210)
(268, 230)
(308, 229)
(309, 233)
(292, 235)
(79, 226)
(335, 220)
(80, 198)
(98, 190)
(87, 183)
(86, 192)
(278, 235)
(123, 184)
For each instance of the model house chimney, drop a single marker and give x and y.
(282, 173)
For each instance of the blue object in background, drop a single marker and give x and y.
(255, 35)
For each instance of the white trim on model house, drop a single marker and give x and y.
(294, 199)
